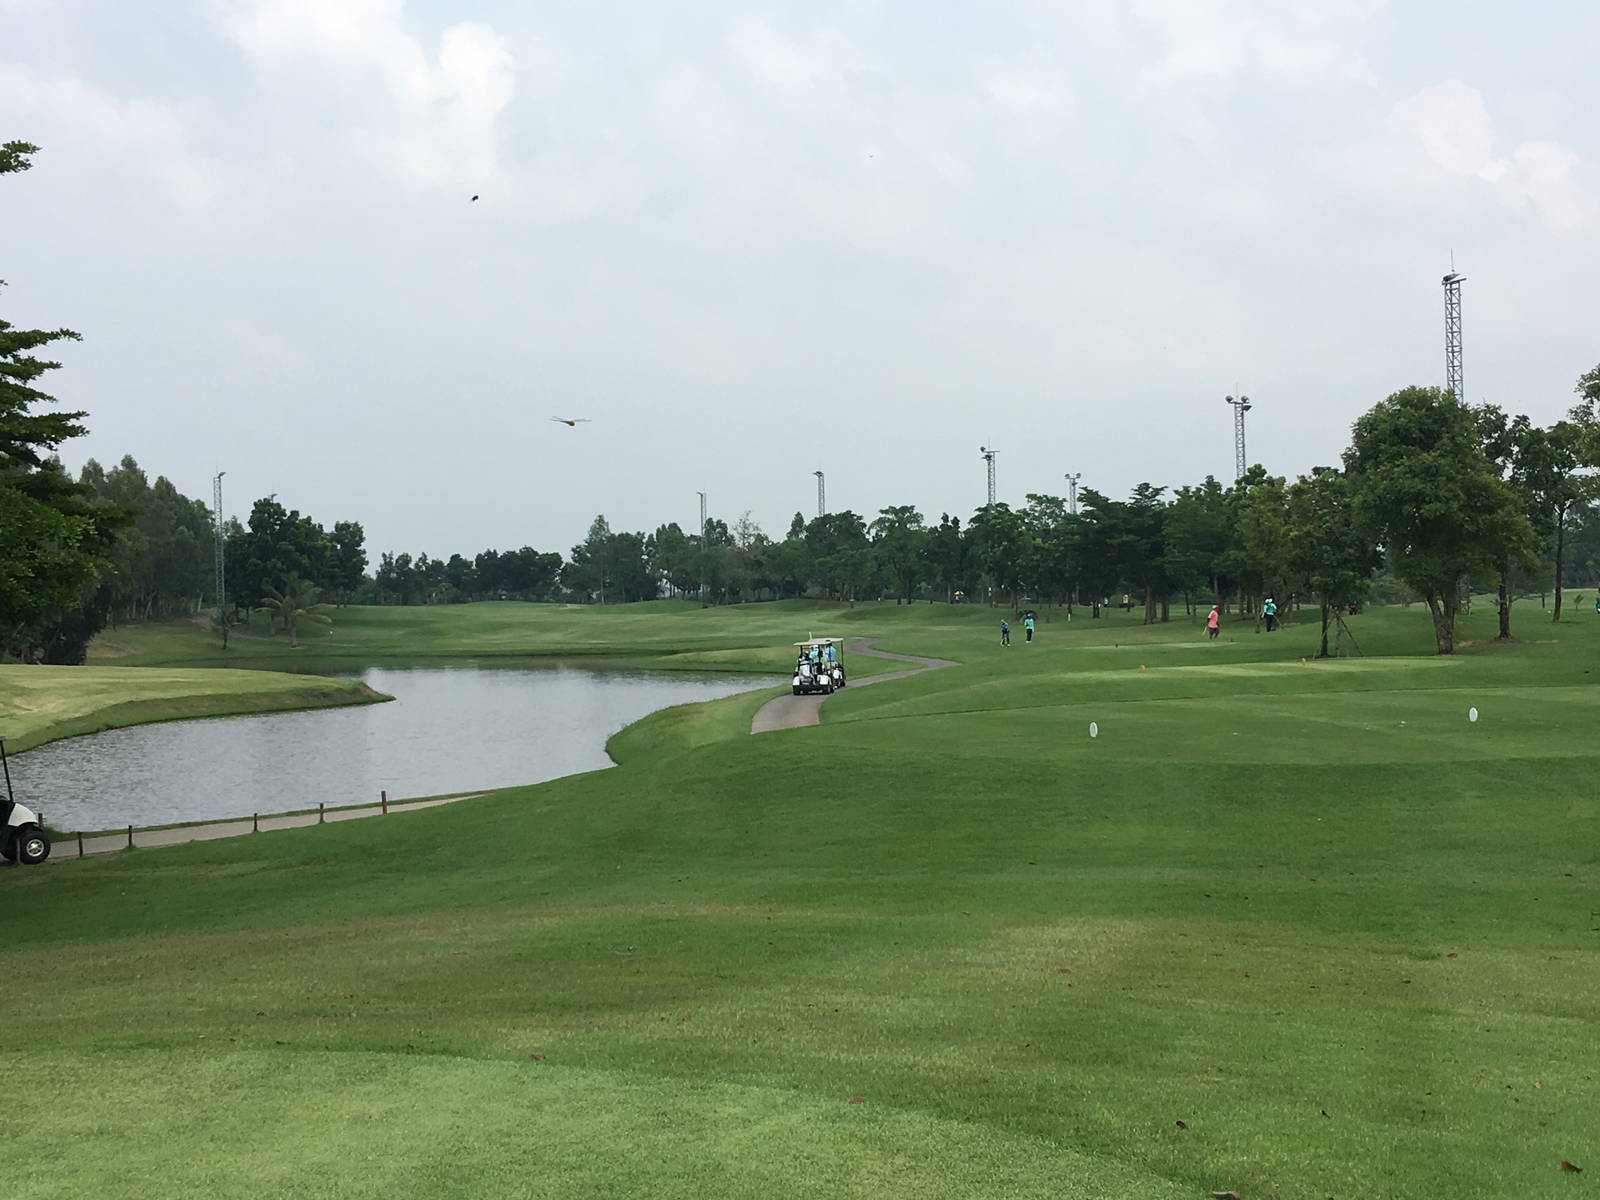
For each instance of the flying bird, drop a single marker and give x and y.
(573, 421)
(474, 197)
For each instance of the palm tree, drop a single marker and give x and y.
(296, 602)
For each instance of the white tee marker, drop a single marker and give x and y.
(1472, 714)
(1094, 729)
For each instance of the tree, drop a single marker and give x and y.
(995, 542)
(1199, 524)
(945, 551)
(53, 538)
(347, 562)
(1425, 491)
(1260, 555)
(898, 537)
(296, 602)
(1327, 552)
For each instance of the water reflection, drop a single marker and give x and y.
(448, 729)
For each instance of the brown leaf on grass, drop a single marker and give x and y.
(1181, 1125)
(1227, 1196)
(1566, 1166)
(855, 1099)
(538, 1058)
(1452, 954)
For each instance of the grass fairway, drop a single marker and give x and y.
(39, 704)
(666, 634)
(1295, 929)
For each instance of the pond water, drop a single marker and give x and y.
(447, 730)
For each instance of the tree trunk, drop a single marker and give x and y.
(1443, 610)
(1561, 553)
(1505, 607)
(1322, 652)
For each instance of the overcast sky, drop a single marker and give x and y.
(750, 240)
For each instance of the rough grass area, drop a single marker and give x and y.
(42, 704)
(1291, 929)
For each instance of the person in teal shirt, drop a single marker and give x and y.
(1027, 626)
(1269, 610)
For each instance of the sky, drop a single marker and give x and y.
(750, 241)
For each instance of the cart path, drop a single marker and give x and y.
(105, 843)
(793, 712)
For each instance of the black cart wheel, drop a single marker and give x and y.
(8, 851)
(31, 845)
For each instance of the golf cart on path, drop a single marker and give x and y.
(21, 836)
(820, 666)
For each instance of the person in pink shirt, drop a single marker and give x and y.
(1213, 621)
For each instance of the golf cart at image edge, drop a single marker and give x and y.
(22, 838)
(819, 667)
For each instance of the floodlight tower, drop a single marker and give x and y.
(988, 453)
(1452, 336)
(218, 538)
(1072, 491)
(1241, 406)
(702, 496)
(822, 495)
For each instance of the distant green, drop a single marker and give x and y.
(1341, 933)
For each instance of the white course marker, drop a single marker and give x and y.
(1472, 714)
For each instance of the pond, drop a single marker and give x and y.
(447, 730)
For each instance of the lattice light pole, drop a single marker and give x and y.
(1241, 405)
(822, 495)
(218, 540)
(988, 453)
(1072, 491)
(1452, 336)
(702, 496)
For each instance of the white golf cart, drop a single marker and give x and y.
(22, 838)
(819, 667)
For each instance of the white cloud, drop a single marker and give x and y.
(1031, 90)
(817, 69)
(1440, 147)
(1218, 39)
(433, 116)
(149, 135)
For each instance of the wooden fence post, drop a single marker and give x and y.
(383, 797)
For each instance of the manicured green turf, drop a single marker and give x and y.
(1342, 934)
(39, 704)
(668, 634)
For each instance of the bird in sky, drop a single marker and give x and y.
(474, 197)
(573, 421)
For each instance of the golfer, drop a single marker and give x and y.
(1213, 621)
(1027, 628)
(1005, 632)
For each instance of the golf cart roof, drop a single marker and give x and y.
(816, 641)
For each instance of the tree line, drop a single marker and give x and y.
(1432, 500)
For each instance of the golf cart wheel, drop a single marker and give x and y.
(8, 849)
(796, 691)
(31, 845)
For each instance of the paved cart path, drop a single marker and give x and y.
(792, 712)
(105, 843)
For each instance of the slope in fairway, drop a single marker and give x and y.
(1352, 957)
